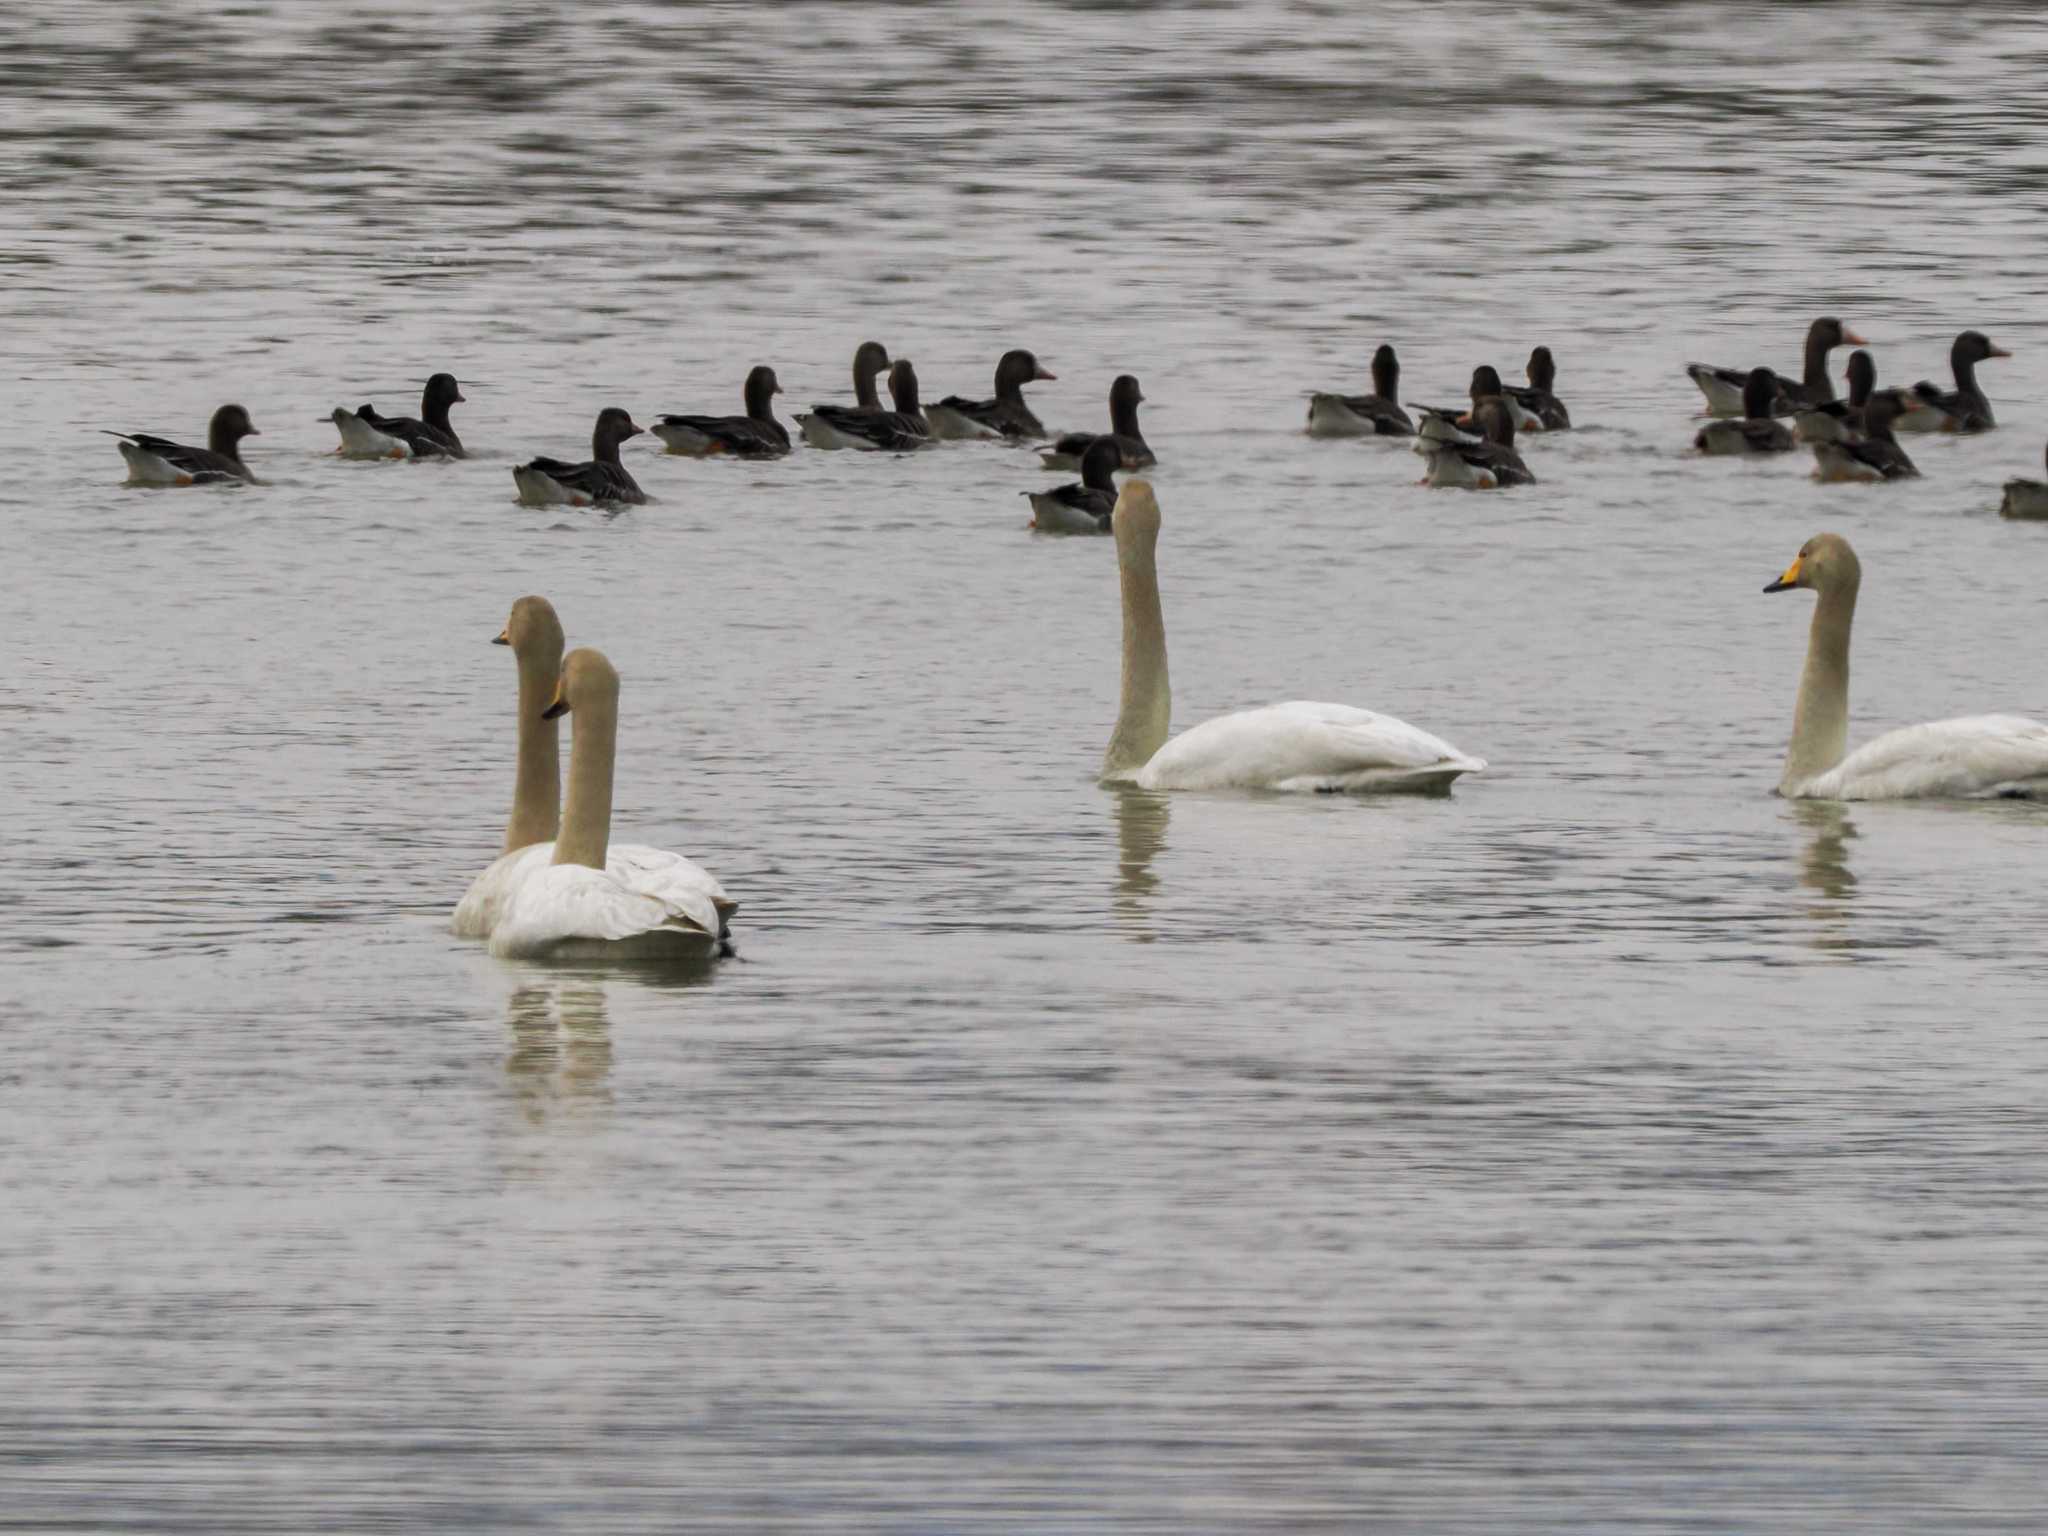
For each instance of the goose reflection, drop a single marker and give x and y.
(561, 1054)
(1141, 818)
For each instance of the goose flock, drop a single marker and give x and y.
(562, 889)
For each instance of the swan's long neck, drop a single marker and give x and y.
(1820, 720)
(587, 819)
(537, 789)
(1145, 714)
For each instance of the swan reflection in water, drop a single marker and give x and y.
(1141, 818)
(1824, 868)
(561, 1055)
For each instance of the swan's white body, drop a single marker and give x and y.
(1302, 746)
(1296, 747)
(645, 903)
(1972, 757)
(634, 866)
(360, 440)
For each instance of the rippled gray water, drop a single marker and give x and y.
(1608, 1146)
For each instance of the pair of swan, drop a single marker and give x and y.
(562, 889)
(1972, 757)
(1334, 747)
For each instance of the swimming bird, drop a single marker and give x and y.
(1124, 399)
(1966, 408)
(1723, 386)
(1479, 460)
(2025, 498)
(574, 906)
(897, 431)
(1973, 757)
(1296, 746)
(870, 362)
(365, 434)
(600, 480)
(1006, 415)
(1755, 431)
(159, 461)
(1538, 397)
(1378, 414)
(1083, 508)
(1874, 456)
(1830, 420)
(756, 435)
(534, 632)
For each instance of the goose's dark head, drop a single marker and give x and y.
(1485, 382)
(442, 391)
(903, 386)
(1973, 347)
(229, 426)
(870, 360)
(1386, 373)
(761, 387)
(1862, 377)
(1827, 333)
(1018, 368)
(1124, 391)
(1758, 391)
(1884, 407)
(1542, 368)
(1099, 463)
(614, 426)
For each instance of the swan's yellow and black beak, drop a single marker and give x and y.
(558, 707)
(1790, 579)
(504, 636)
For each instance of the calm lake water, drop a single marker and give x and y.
(1609, 1146)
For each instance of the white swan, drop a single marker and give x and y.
(534, 633)
(1968, 758)
(576, 906)
(1297, 746)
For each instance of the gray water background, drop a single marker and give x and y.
(1608, 1147)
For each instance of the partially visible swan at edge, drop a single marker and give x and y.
(1295, 746)
(577, 906)
(534, 633)
(1973, 757)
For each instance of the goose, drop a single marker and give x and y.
(1831, 420)
(1378, 414)
(1083, 508)
(599, 480)
(1874, 456)
(1330, 748)
(1755, 431)
(956, 417)
(1538, 396)
(2025, 498)
(1966, 408)
(159, 461)
(1723, 386)
(575, 906)
(819, 427)
(367, 435)
(1124, 398)
(534, 633)
(1459, 459)
(1975, 757)
(897, 431)
(756, 435)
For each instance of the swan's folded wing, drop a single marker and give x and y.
(1305, 745)
(568, 902)
(1974, 755)
(484, 902)
(684, 884)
